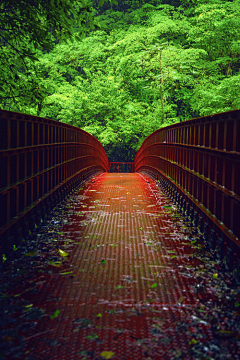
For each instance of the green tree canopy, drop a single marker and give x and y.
(149, 65)
(26, 26)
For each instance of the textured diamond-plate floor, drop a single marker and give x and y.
(123, 293)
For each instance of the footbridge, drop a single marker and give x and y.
(102, 255)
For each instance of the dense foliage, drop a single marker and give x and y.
(130, 69)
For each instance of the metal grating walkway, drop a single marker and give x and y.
(126, 291)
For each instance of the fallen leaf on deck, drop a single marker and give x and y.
(63, 253)
(225, 334)
(55, 314)
(180, 300)
(92, 337)
(192, 341)
(119, 287)
(83, 323)
(31, 253)
(54, 342)
(55, 263)
(107, 354)
(154, 285)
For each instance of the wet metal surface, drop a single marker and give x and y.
(132, 286)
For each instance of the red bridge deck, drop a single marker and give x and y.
(127, 291)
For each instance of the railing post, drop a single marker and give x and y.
(40, 161)
(200, 162)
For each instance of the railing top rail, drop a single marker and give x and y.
(234, 114)
(13, 115)
(121, 162)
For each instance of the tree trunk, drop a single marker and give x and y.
(161, 86)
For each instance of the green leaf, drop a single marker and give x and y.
(180, 300)
(99, 315)
(193, 342)
(237, 304)
(119, 287)
(36, 226)
(140, 228)
(225, 333)
(55, 314)
(4, 295)
(28, 306)
(154, 285)
(63, 253)
(31, 253)
(55, 263)
(215, 276)
(92, 337)
(103, 261)
(107, 354)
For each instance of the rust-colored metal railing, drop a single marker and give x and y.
(40, 161)
(198, 163)
(122, 167)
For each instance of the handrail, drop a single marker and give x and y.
(198, 162)
(40, 161)
(119, 166)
